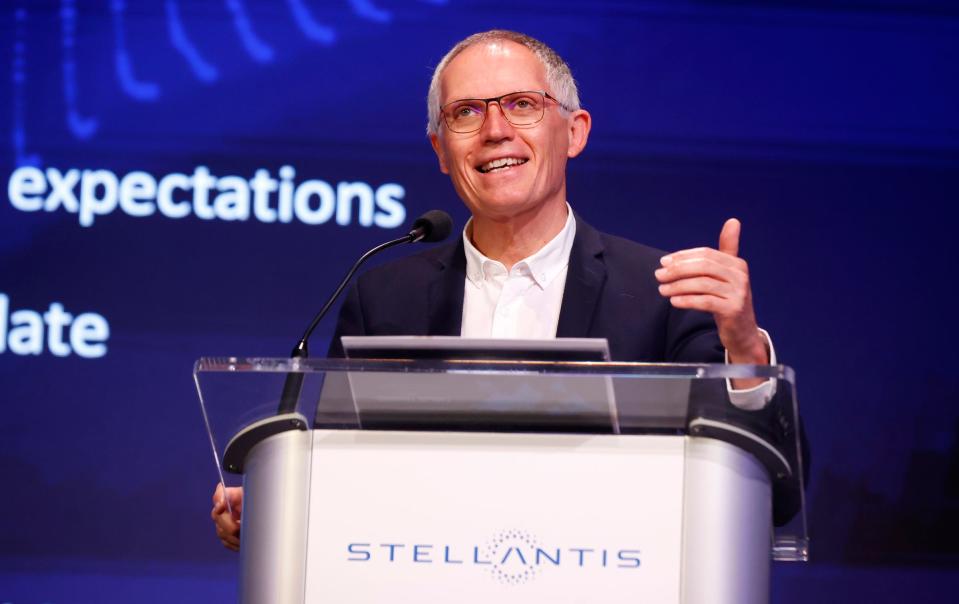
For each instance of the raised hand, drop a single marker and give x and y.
(717, 281)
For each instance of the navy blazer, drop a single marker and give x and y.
(611, 292)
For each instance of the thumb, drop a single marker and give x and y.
(729, 237)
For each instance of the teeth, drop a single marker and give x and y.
(501, 163)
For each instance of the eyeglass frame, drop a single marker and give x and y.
(498, 100)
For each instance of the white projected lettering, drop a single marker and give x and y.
(346, 192)
(98, 194)
(326, 201)
(28, 332)
(93, 193)
(136, 191)
(388, 199)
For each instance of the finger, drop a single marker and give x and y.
(230, 545)
(703, 266)
(682, 254)
(218, 512)
(225, 503)
(226, 528)
(235, 496)
(697, 285)
(218, 493)
(729, 237)
(701, 302)
(230, 541)
(700, 252)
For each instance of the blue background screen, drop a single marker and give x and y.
(829, 128)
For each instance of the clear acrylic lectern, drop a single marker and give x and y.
(480, 481)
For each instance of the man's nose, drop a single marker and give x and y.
(496, 126)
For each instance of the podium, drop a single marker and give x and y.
(506, 481)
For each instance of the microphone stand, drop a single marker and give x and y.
(294, 380)
(434, 225)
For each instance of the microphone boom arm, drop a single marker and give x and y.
(432, 226)
(294, 381)
(301, 350)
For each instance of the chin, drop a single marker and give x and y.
(506, 198)
(503, 209)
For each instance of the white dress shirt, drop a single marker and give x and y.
(525, 301)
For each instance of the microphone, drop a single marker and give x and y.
(433, 226)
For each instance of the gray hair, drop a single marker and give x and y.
(559, 78)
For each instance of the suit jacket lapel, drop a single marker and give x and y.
(584, 283)
(445, 295)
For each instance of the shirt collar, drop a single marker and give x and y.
(544, 265)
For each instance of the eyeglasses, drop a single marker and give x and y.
(523, 108)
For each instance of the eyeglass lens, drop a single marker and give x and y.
(519, 108)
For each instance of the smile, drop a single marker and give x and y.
(503, 163)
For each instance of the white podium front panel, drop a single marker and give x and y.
(440, 517)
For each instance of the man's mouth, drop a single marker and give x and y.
(501, 164)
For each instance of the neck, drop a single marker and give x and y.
(517, 237)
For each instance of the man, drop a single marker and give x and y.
(504, 118)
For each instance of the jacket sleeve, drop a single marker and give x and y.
(691, 337)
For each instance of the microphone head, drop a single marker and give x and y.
(432, 226)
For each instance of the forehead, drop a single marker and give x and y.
(491, 69)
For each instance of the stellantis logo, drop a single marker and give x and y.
(510, 556)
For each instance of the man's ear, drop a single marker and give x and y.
(579, 124)
(440, 154)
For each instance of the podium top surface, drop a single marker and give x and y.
(689, 371)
